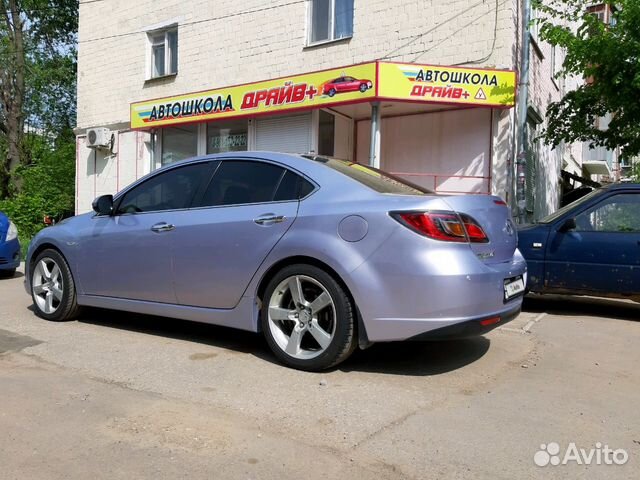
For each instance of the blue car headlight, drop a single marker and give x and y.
(12, 233)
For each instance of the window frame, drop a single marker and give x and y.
(204, 182)
(170, 53)
(332, 24)
(197, 201)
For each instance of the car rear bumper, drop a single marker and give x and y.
(408, 291)
(9, 255)
(469, 328)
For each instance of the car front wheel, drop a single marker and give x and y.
(52, 287)
(308, 319)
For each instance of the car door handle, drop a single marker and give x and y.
(162, 227)
(269, 219)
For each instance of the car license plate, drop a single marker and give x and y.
(513, 287)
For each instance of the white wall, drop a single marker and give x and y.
(100, 172)
(456, 143)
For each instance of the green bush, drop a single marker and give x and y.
(46, 187)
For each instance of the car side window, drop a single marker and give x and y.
(292, 187)
(618, 213)
(171, 190)
(242, 181)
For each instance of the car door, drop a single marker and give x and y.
(339, 84)
(350, 84)
(245, 210)
(602, 253)
(128, 254)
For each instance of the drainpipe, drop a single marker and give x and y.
(152, 153)
(374, 146)
(523, 99)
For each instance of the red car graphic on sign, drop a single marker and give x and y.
(345, 84)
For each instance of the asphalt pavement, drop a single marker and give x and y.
(115, 395)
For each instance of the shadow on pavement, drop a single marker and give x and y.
(587, 306)
(18, 274)
(398, 358)
(418, 358)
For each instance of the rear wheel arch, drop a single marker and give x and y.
(303, 259)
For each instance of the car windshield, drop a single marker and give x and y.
(559, 213)
(373, 178)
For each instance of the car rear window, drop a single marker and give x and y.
(373, 178)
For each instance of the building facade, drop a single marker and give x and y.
(423, 89)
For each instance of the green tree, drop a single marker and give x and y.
(37, 78)
(607, 57)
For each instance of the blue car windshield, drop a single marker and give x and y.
(559, 213)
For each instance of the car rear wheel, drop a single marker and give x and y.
(308, 319)
(52, 287)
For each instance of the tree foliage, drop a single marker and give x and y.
(607, 58)
(37, 110)
(37, 77)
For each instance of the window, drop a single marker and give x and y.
(330, 20)
(326, 134)
(172, 190)
(163, 53)
(292, 187)
(179, 143)
(619, 213)
(239, 182)
(227, 136)
(373, 178)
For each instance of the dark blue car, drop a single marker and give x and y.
(9, 247)
(589, 247)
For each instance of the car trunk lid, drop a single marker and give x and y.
(494, 216)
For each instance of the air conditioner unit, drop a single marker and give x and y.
(99, 138)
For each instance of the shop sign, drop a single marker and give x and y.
(312, 90)
(441, 84)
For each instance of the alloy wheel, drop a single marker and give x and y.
(47, 285)
(302, 317)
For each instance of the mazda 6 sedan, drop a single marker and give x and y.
(319, 255)
(589, 247)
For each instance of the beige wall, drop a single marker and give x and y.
(228, 46)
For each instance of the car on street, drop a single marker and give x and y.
(589, 247)
(346, 84)
(320, 255)
(9, 247)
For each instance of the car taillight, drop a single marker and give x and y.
(445, 226)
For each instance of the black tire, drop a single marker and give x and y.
(344, 340)
(363, 87)
(332, 92)
(68, 308)
(7, 273)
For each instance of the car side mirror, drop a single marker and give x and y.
(569, 224)
(103, 205)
